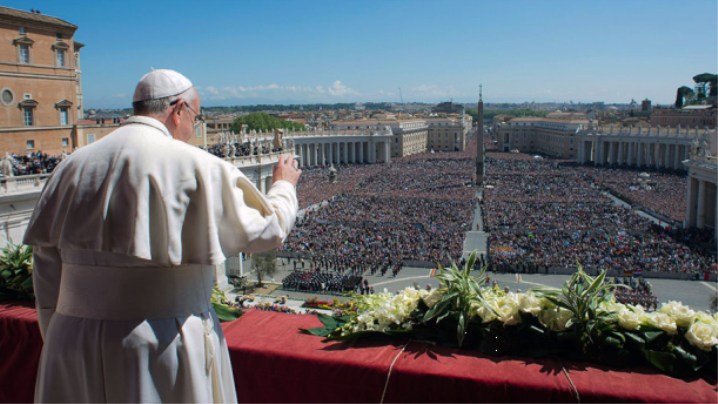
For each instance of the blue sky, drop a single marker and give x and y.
(305, 51)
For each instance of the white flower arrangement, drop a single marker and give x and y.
(584, 311)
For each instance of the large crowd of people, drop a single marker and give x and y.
(556, 213)
(414, 209)
(34, 163)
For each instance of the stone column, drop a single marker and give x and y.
(262, 187)
(691, 203)
(361, 152)
(677, 157)
(611, 155)
(316, 154)
(631, 150)
(640, 155)
(666, 156)
(657, 155)
(701, 208)
(372, 151)
(345, 153)
(331, 153)
(621, 152)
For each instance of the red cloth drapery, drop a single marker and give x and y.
(274, 362)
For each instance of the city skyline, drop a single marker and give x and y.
(327, 52)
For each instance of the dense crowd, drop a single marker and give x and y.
(662, 193)
(554, 213)
(404, 211)
(635, 291)
(418, 209)
(316, 281)
(314, 186)
(240, 149)
(34, 163)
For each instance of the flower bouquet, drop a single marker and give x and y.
(580, 321)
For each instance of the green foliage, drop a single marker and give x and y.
(491, 113)
(262, 121)
(684, 94)
(264, 264)
(707, 79)
(16, 273)
(223, 307)
(581, 295)
(461, 293)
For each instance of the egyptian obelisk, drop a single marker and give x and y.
(480, 145)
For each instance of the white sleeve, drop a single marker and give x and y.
(46, 274)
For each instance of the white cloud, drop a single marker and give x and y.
(273, 90)
(339, 90)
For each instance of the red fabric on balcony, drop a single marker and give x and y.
(20, 346)
(273, 362)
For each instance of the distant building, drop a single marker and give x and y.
(552, 137)
(702, 116)
(40, 82)
(417, 135)
(646, 105)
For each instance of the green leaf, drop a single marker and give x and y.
(689, 358)
(460, 329)
(438, 308)
(225, 313)
(662, 360)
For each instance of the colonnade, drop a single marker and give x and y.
(636, 153)
(702, 204)
(327, 151)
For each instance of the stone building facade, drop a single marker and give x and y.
(638, 146)
(40, 82)
(690, 116)
(551, 137)
(413, 136)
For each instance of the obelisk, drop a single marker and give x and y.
(480, 145)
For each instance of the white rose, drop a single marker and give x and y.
(485, 312)
(705, 317)
(433, 298)
(555, 319)
(508, 312)
(703, 335)
(528, 303)
(628, 319)
(662, 321)
(682, 315)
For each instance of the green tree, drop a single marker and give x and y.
(706, 80)
(264, 264)
(491, 113)
(682, 94)
(262, 121)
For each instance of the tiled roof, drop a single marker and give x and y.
(26, 15)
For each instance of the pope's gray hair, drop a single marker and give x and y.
(160, 105)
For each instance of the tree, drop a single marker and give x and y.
(264, 264)
(704, 80)
(683, 93)
(262, 121)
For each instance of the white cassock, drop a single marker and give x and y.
(125, 235)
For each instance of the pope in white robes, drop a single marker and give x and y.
(126, 235)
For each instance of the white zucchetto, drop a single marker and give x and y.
(160, 83)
